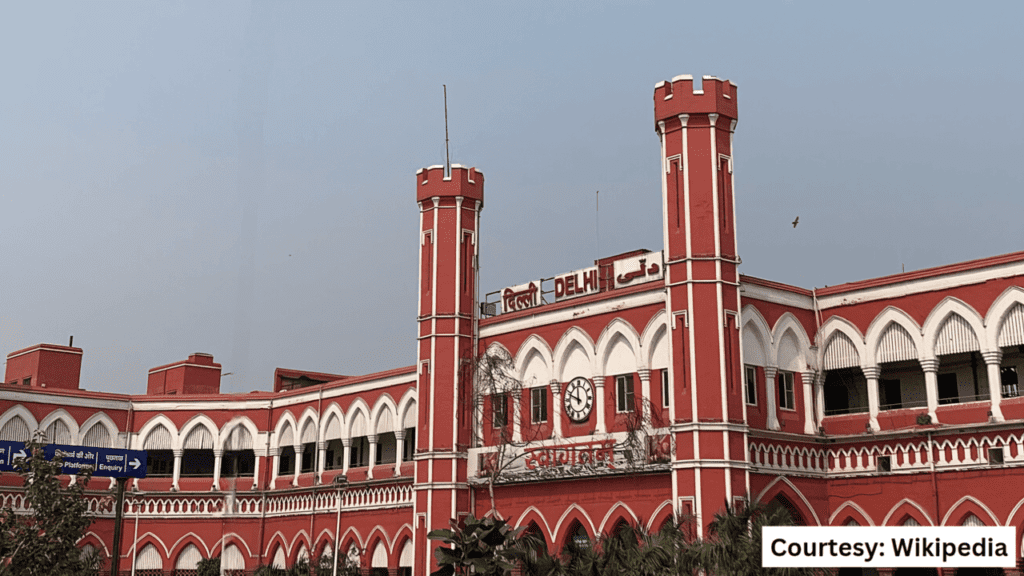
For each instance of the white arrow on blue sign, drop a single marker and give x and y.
(108, 462)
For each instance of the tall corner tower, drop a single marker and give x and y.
(702, 281)
(450, 208)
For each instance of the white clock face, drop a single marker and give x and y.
(579, 399)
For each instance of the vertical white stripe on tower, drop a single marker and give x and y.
(433, 324)
(457, 339)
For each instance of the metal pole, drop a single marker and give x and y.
(118, 517)
(342, 483)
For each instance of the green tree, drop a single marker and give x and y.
(208, 567)
(44, 540)
(733, 546)
(486, 547)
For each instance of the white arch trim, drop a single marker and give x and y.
(968, 498)
(853, 505)
(206, 548)
(574, 506)
(139, 439)
(26, 416)
(608, 515)
(915, 505)
(879, 325)
(795, 490)
(519, 522)
(998, 310)
(618, 328)
(938, 316)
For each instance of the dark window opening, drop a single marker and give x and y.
(665, 392)
(499, 410)
(197, 463)
(286, 461)
(159, 463)
(751, 385)
(335, 455)
(308, 457)
(786, 398)
(1008, 379)
(539, 405)
(387, 444)
(949, 392)
(845, 391)
(237, 463)
(891, 397)
(359, 452)
(624, 393)
(409, 445)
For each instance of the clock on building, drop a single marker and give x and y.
(579, 399)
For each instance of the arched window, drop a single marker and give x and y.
(197, 458)
(59, 433)
(16, 430)
(149, 562)
(405, 560)
(97, 436)
(232, 561)
(279, 559)
(239, 460)
(188, 561)
(159, 456)
(576, 538)
(379, 562)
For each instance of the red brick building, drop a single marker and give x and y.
(648, 386)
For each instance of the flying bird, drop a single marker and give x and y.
(795, 222)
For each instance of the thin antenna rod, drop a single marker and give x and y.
(597, 223)
(447, 158)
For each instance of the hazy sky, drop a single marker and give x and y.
(238, 179)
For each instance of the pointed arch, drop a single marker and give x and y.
(379, 559)
(618, 512)
(534, 359)
(308, 426)
(756, 336)
(384, 419)
(238, 434)
(789, 332)
(575, 351)
(893, 336)
(188, 539)
(333, 423)
(285, 432)
(358, 419)
(1004, 323)
(231, 558)
(299, 541)
(158, 433)
(848, 510)
(277, 539)
(149, 558)
(842, 344)
(783, 486)
(573, 513)
(966, 506)
(652, 341)
(618, 349)
(17, 424)
(407, 411)
(956, 335)
(533, 514)
(188, 557)
(350, 535)
(192, 435)
(94, 427)
(231, 539)
(69, 432)
(907, 508)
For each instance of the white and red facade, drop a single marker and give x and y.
(883, 402)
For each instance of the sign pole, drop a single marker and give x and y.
(115, 560)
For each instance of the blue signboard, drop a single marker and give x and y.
(109, 462)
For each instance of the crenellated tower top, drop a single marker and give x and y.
(678, 97)
(465, 182)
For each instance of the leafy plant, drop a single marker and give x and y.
(44, 541)
(208, 567)
(485, 547)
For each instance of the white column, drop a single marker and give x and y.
(256, 469)
(930, 366)
(298, 463)
(819, 398)
(275, 466)
(871, 373)
(556, 408)
(218, 461)
(599, 399)
(373, 454)
(517, 415)
(399, 450)
(993, 359)
(645, 393)
(321, 453)
(177, 469)
(807, 381)
(769, 396)
(346, 454)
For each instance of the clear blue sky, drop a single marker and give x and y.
(238, 179)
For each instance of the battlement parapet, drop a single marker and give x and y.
(677, 96)
(462, 181)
